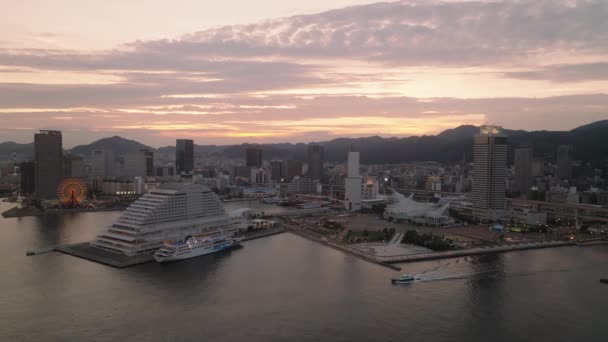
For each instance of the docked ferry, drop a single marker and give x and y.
(194, 246)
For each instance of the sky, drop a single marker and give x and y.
(297, 71)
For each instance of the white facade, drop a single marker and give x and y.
(169, 212)
(140, 185)
(352, 184)
(407, 209)
(369, 188)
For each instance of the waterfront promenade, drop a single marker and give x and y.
(389, 260)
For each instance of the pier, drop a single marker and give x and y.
(85, 251)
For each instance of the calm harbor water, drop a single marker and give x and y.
(285, 288)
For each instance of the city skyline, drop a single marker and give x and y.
(281, 73)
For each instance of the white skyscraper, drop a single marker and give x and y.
(490, 174)
(352, 183)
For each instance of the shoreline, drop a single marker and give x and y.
(33, 211)
(390, 261)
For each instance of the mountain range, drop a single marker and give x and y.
(590, 143)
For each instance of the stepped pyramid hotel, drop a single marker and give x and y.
(171, 212)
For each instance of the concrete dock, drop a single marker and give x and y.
(85, 251)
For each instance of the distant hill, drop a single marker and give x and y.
(24, 151)
(118, 145)
(452, 145)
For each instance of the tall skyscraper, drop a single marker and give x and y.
(524, 158)
(253, 156)
(489, 173)
(564, 162)
(316, 158)
(352, 183)
(149, 159)
(184, 156)
(48, 158)
(291, 168)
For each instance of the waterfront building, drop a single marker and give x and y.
(114, 187)
(433, 183)
(173, 211)
(352, 183)
(259, 176)
(28, 177)
(523, 169)
(253, 156)
(291, 168)
(184, 156)
(564, 162)
(489, 174)
(300, 185)
(276, 173)
(427, 213)
(316, 158)
(48, 158)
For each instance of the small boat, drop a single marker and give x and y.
(404, 279)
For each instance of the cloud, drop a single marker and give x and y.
(310, 77)
(565, 73)
(408, 32)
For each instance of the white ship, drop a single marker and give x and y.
(170, 212)
(194, 246)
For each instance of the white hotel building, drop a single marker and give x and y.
(169, 212)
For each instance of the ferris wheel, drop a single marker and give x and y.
(71, 191)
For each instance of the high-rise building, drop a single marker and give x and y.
(149, 158)
(259, 176)
(316, 158)
(352, 183)
(564, 162)
(27, 172)
(73, 166)
(489, 174)
(538, 167)
(276, 173)
(253, 156)
(291, 168)
(48, 158)
(524, 159)
(184, 156)
(139, 164)
(102, 163)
